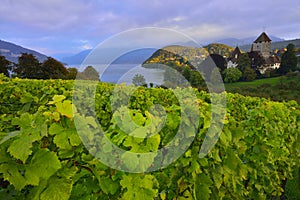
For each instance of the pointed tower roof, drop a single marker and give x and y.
(236, 51)
(235, 54)
(263, 38)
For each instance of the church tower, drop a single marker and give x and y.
(262, 45)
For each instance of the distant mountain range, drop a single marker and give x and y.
(274, 45)
(12, 52)
(244, 41)
(133, 57)
(76, 59)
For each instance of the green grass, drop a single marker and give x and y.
(272, 81)
(278, 89)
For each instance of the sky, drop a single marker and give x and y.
(63, 27)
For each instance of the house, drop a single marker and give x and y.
(262, 47)
(233, 58)
(259, 54)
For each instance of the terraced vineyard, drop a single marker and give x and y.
(43, 157)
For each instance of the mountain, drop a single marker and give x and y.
(133, 57)
(221, 49)
(245, 41)
(12, 52)
(76, 59)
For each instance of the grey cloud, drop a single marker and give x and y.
(96, 20)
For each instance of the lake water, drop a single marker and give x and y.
(123, 73)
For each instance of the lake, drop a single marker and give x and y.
(123, 73)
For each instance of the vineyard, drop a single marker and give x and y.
(43, 157)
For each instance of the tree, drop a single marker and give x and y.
(249, 74)
(28, 67)
(256, 60)
(244, 65)
(89, 73)
(196, 80)
(243, 62)
(54, 69)
(232, 75)
(139, 80)
(289, 60)
(5, 66)
(186, 73)
(72, 73)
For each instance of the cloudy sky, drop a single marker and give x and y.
(70, 26)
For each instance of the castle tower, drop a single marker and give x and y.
(262, 45)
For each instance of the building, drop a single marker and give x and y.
(233, 58)
(259, 54)
(262, 47)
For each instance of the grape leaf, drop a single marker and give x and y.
(21, 148)
(65, 108)
(57, 98)
(57, 189)
(11, 173)
(10, 135)
(43, 165)
(108, 186)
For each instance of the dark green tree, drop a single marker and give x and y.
(54, 69)
(243, 62)
(5, 66)
(28, 67)
(244, 65)
(72, 73)
(249, 74)
(289, 60)
(186, 73)
(196, 80)
(139, 80)
(232, 75)
(256, 59)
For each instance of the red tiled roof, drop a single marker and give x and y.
(263, 38)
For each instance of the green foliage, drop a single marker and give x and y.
(257, 150)
(5, 66)
(139, 187)
(289, 60)
(248, 74)
(54, 69)
(181, 65)
(278, 89)
(28, 67)
(232, 75)
(139, 80)
(243, 62)
(178, 55)
(72, 73)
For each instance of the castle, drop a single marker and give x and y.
(259, 54)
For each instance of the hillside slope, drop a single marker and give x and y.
(12, 51)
